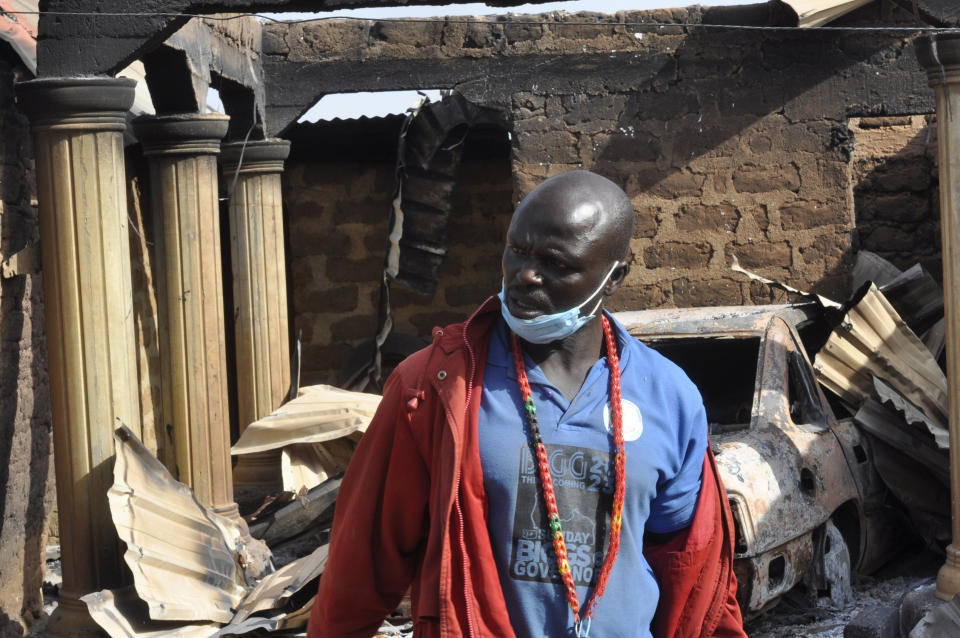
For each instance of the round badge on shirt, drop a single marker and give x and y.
(632, 421)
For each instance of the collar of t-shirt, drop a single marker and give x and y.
(500, 354)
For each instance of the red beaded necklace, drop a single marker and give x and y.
(546, 481)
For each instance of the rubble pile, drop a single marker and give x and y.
(198, 573)
(884, 360)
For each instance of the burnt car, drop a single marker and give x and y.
(807, 503)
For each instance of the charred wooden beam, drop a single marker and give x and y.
(490, 61)
(73, 41)
(224, 55)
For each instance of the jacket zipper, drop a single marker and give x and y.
(467, 584)
(467, 581)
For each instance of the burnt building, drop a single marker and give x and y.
(780, 149)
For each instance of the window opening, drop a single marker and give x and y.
(725, 371)
(804, 400)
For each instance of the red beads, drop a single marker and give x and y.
(546, 481)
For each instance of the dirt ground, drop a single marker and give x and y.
(905, 573)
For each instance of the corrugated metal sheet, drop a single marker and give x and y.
(122, 615)
(277, 588)
(813, 13)
(183, 556)
(873, 341)
(304, 466)
(321, 413)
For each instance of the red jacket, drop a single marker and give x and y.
(412, 510)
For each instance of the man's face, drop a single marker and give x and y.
(555, 254)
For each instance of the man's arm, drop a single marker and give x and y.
(695, 571)
(694, 564)
(674, 506)
(379, 528)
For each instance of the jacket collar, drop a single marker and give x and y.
(477, 327)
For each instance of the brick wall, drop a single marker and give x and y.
(26, 460)
(731, 144)
(787, 195)
(718, 168)
(708, 187)
(337, 215)
(896, 189)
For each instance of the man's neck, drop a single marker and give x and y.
(566, 363)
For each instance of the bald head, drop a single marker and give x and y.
(597, 209)
(567, 248)
(568, 242)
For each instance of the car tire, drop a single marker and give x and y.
(835, 590)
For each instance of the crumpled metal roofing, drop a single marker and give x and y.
(320, 413)
(120, 613)
(873, 341)
(180, 553)
(814, 13)
(196, 574)
(277, 588)
(429, 154)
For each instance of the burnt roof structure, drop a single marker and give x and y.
(941, 13)
(74, 42)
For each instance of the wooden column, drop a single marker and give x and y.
(251, 179)
(940, 56)
(78, 126)
(182, 151)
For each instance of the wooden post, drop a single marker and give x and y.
(251, 179)
(78, 126)
(940, 56)
(182, 150)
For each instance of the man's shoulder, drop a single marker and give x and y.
(414, 365)
(452, 341)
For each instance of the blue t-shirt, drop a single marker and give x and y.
(666, 437)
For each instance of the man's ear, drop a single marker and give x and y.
(618, 277)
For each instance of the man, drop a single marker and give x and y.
(537, 471)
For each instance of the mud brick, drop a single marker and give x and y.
(767, 180)
(678, 255)
(719, 218)
(803, 215)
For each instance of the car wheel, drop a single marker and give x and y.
(834, 591)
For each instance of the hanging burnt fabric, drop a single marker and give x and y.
(429, 154)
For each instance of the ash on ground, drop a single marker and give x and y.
(789, 619)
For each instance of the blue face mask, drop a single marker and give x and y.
(550, 328)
